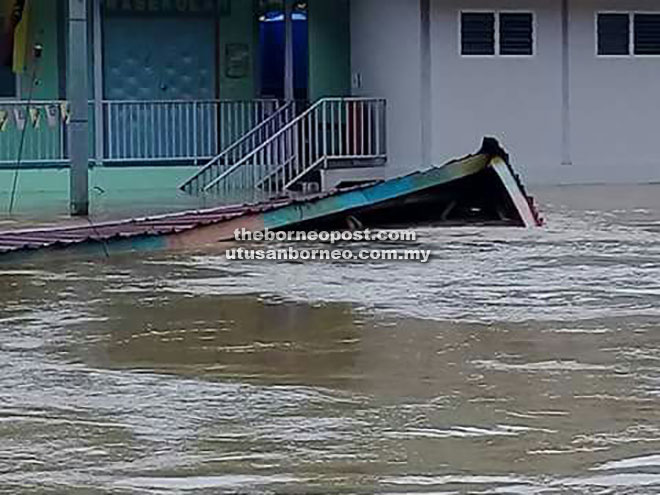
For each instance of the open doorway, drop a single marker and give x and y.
(272, 45)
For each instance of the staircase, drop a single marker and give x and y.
(241, 147)
(331, 134)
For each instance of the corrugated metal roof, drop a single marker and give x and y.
(40, 238)
(15, 240)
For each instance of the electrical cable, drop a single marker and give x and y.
(38, 49)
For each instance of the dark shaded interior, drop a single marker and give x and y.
(479, 199)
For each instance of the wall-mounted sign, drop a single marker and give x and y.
(163, 7)
(238, 60)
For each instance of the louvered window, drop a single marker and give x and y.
(477, 33)
(497, 33)
(647, 34)
(613, 34)
(516, 33)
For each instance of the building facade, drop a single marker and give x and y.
(567, 113)
(566, 85)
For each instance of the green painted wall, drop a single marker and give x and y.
(43, 194)
(238, 31)
(329, 48)
(44, 30)
(237, 28)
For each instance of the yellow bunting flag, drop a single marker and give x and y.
(20, 118)
(4, 120)
(35, 117)
(52, 114)
(65, 112)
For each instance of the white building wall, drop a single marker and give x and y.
(516, 99)
(385, 55)
(613, 101)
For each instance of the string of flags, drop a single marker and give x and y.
(20, 116)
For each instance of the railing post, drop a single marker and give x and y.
(384, 128)
(347, 127)
(64, 148)
(98, 83)
(324, 117)
(194, 132)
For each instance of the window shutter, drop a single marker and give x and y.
(647, 34)
(516, 33)
(477, 33)
(613, 34)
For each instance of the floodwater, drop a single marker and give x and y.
(515, 362)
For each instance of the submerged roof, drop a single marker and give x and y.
(371, 193)
(174, 223)
(15, 240)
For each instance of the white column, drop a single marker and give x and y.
(78, 130)
(566, 158)
(288, 50)
(425, 81)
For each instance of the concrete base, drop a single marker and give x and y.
(330, 179)
(43, 194)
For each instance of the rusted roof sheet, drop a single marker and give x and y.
(15, 240)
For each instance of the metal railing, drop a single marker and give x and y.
(261, 145)
(241, 147)
(333, 129)
(177, 130)
(40, 126)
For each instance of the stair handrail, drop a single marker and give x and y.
(281, 132)
(266, 143)
(239, 142)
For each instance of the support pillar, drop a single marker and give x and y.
(566, 158)
(425, 93)
(77, 93)
(289, 93)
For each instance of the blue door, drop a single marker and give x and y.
(271, 47)
(159, 75)
(159, 59)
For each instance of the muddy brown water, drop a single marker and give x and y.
(522, 362)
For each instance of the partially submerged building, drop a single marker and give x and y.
(224, 95)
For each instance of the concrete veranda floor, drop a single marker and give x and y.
(42, 196)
